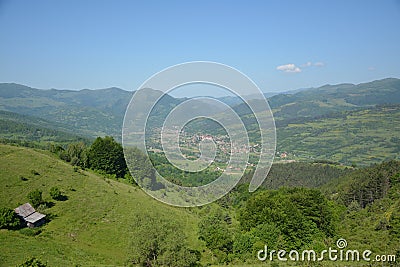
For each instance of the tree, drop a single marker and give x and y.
(243, 245)
(8, 219)
(369, 184)
(35, 197)
(76, 153)
(299, 216)
(140, 167)
(395, 222)
(214, 231)
(107, 155)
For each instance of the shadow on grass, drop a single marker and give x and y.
(48, 204)
(62, 198)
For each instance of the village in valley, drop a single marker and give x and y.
(189, 144)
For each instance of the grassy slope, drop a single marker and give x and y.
(92, 228)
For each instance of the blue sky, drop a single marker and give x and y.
(281, 45)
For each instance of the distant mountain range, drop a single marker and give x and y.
(92, 113)
(88, 112)
(100, 112)
(333, 98)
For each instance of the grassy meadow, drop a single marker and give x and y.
(93, 227)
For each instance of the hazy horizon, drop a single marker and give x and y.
(206, 91)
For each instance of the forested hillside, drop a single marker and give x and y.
(90, 112)
(101, 111)
(34, 132)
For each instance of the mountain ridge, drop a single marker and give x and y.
(100, 112)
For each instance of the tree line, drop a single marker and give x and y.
(104, 154)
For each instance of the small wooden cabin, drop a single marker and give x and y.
(30, 216)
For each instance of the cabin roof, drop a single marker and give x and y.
(34, 217)
(25, 210)
(28, 213)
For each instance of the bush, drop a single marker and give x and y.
(32, 262)
(35, 197)
(8, 219)
(160, 242)
(55, 193)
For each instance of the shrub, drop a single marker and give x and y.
(35, 197)
(8, 219)
(55, 193)
(160, 242)
(32, 262)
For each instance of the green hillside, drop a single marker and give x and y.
(362, 137)
(90, 112)
(372, 199)
(33, 131)
(333, 98)
(105, 221)
(95, 226)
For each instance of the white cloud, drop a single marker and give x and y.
(308, 64)
(289, 68)
(371, 68)
(295, 69)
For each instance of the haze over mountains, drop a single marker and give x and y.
(100, 112)
(92, 113)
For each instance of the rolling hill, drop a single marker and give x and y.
(93, 227)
